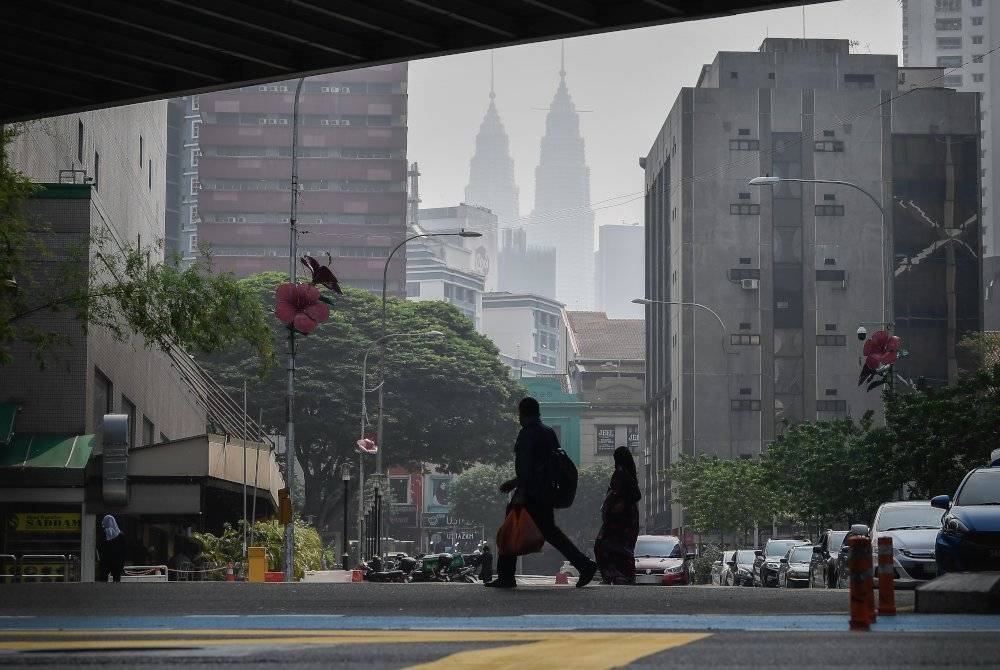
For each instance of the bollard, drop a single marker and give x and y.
(859, 599)
(869, 564)
(886, 579)
(562, 578)
(357, 576)
(230, 576)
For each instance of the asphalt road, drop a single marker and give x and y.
(456, 626)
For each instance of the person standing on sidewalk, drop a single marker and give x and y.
(535, 444)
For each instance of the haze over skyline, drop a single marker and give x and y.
(629, 79)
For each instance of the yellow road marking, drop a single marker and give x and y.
(588, 650)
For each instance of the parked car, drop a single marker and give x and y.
(913, 526)
(969, 539)
(823, 570)
(662, 559)
(795, 566)
(741, 567)
(768, 561)
(843, 569)
(721, 575)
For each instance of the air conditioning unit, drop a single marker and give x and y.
(750, 284)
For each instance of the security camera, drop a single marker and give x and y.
(862, 333)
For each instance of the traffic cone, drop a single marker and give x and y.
(886, 585)
(562, 578)
(357, 576)
(230, 576)
(859, 599)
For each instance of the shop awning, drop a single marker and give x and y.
(8, 411)
(43, 450)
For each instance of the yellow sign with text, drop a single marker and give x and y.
(44, 522)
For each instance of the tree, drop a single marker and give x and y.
(448, 400)
(941, 433)
(979, 350)
(228, 547)
(104, 283)
(475, 495)
(722, 495)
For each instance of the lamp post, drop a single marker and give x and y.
(887, 274)
(725, 330)
(345, 475)
(380, 342)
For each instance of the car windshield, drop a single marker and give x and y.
(837, 538)
(909, 517)
(660, 547)
(745, 556)
(779, 547)
(801, 555)
(981, 488)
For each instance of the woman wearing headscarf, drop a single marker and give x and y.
(615, 545)
(111, 547)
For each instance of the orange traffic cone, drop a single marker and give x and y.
(230, 576)
(357, 576)
(562, 578)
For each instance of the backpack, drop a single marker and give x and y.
(560, 476)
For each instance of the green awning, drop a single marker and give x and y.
(43, 450)
(8, 411)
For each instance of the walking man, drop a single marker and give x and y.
(535, 443)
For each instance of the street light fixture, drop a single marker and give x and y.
(345, 475)
(725, 329)
(887, 273)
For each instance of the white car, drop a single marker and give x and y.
(913, 526)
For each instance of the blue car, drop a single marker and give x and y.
(969, 539)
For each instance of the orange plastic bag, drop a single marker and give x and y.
(518, 535)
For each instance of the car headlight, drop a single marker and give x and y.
(675, 570)
(952, 525)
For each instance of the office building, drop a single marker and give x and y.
(484, 249)
(791, 270)
(491, 169)
(529, 332)
(523, 267)
(619, 273)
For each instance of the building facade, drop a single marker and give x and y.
(525, 268)
(529, 331)
(352, 174)
(484, 249)
(619, 274)
(776, 280)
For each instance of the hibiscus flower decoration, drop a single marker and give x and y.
(299, 306)
(881, 349)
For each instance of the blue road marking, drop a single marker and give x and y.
(633, 622)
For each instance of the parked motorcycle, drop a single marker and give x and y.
(373, 571)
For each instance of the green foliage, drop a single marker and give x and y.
(979, 350)
(721, 495)
(582, 521)
(449, 400)
(113, 285)
(220, 550)
(475, 495)
(701, 567)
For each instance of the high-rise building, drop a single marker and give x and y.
(173, 173)
(956, 35)
(792, 270)
(562, 217)
(524, 268)
(528, 330)
(352, 174)
(491, 170)
(468, 217)
(619, 273)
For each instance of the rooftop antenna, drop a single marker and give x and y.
(562, 77)
(803, 21)
(492, 92)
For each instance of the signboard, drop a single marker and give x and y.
(403, 516)
(399, 489)
(605, 438)
(436, 493)
(441, 521)
(44, 522)
(632, 436)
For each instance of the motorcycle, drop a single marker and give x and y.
(373, 571)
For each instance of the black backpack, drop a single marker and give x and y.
(561, 476)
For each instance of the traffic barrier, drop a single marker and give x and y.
(357, 576)
(230, 575)
(562, 578)
(886, 578)
(272, 576)
(860, 546)
(145, 573)
(44, 568)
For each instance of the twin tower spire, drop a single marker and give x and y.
(562, 217)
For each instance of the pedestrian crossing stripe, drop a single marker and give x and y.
(588, 650)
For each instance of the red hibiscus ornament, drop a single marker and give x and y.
(299, 306)
(882, 348)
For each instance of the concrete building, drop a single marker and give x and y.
(792, 270)
(525, 268)
(619, 274)
(352, 174)
(528, 330)
(441, 269)
(562, 217)
(483, 249)
(190, 189)
(174, 173)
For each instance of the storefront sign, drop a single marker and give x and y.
(445, 521)
(632, 436)
(605, 438)
(44, 522)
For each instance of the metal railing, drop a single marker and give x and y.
(43, 568)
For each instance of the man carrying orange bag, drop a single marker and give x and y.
(530, 513)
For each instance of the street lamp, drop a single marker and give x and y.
(887, 274)
(725, 330)
(380, 342)
(345, 474)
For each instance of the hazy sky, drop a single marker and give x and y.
(628, 78)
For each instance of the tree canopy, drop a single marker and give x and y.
(449, 401)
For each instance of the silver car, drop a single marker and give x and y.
(913, 526)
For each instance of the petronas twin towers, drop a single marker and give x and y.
(562, 218)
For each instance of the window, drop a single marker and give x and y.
(195, 155)
(831, 405)
(140, 152)
(978, 78)
(949, 42)
(977, 3)
(412, 289)
(977, 39)
(103, 398)
(828, 133)
(744, 325)
(744, 340)
(745, 391)
(147, 431)
(831, 340)
(830, 326)
(194, 186)
(830, 392)
(150, 177)
(829, 210)
(738, 274)
(951, 80)
(744, 405)
(977, 20)
(734, 75)
(744, 209)
(859, 80)
(128, 408)
(744, 145)
(978, 58)
(97, 170)
(399, 490)
(829, 145)
(195, 103)
(951, 24)
(194, 214)
(831, 275)
(949, 61)
(195, 129)
(829, 261)
(745, 260)
(770, 75)
(743, 131)
(744, 196)
(948, 5)
(193, 242)
(79, 141)
(829, 196)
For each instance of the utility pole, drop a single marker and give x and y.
(293, 234)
